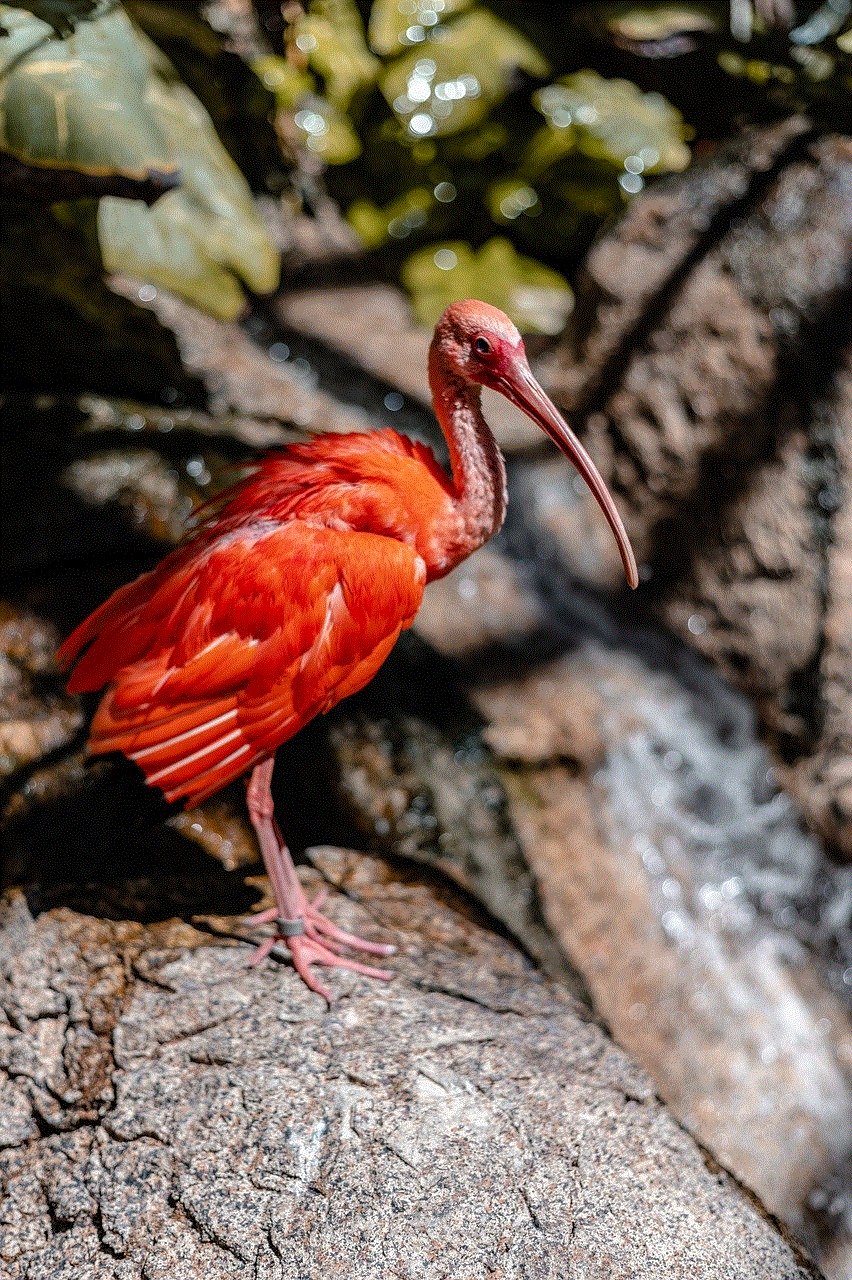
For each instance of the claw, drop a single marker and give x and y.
(317, 943)
(308, 948)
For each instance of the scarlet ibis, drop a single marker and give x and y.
(293, 590)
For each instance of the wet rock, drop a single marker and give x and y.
(671, 882)
(823, 781)
(154, 422)
(486, 600)
(435, 799)
(778, 559)
(709, 373)
(220, 831)
(36, 716)
(242, 378)
(141, 482)
(460, 1117)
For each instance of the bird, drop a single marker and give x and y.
(291, 590)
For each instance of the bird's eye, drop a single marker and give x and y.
(483, 346)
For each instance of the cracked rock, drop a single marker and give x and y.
(460, 1119)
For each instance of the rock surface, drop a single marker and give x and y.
(667, 863)
(173, 1113)
(709, 372)
(372, 326)
(37, 717)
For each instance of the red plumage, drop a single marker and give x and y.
(279, 606)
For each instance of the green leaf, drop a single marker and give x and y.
(27, 185)
(402, 24)
(511, 198)
(474, 145)
(607, 120)
(199, 240)
(224, 82)
(287, 82)
(107, 101)
(325, 130)
(454, 79)
(80, 103)
(569, 207)
(399, 219)
(648, 22)
(586, 187)
(535, 297)
(331, 37)
(321, 126)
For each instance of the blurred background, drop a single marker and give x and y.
(228, 224)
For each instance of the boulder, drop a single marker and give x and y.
(169, 1112)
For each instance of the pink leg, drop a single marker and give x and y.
(311, 938)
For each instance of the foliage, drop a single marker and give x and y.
(443, 135)
(106, 101)
(537, 297)
(456, 83)
(609, 121)
(476, 131)
(444, 102)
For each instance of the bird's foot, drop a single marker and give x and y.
(313, 939)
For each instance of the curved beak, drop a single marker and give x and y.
(518, 385)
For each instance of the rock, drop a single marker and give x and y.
(221, 1122)
(702, 920)
(154, 1080)
(485, 601)
(434, 798)
(370, 324)
(37, 715)
(709, 371)
(240, 377)
(658, 881)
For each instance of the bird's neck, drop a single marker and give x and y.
(478, 469)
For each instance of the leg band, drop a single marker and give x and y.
(290, 928)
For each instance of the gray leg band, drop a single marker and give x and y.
(290, 928)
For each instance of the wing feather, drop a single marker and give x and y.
(217, 657)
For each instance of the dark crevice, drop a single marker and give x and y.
(806, 366)
(810, 377)
(656, 308)
(98, 1223)
(721, 1171)
(58, 1222)
(467, 998)
(204, 1229)
(47, 1129)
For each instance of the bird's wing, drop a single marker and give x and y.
(216, 658)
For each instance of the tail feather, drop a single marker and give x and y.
(186, 780)
(179, 750)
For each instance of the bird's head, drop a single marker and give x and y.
(475, 343)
